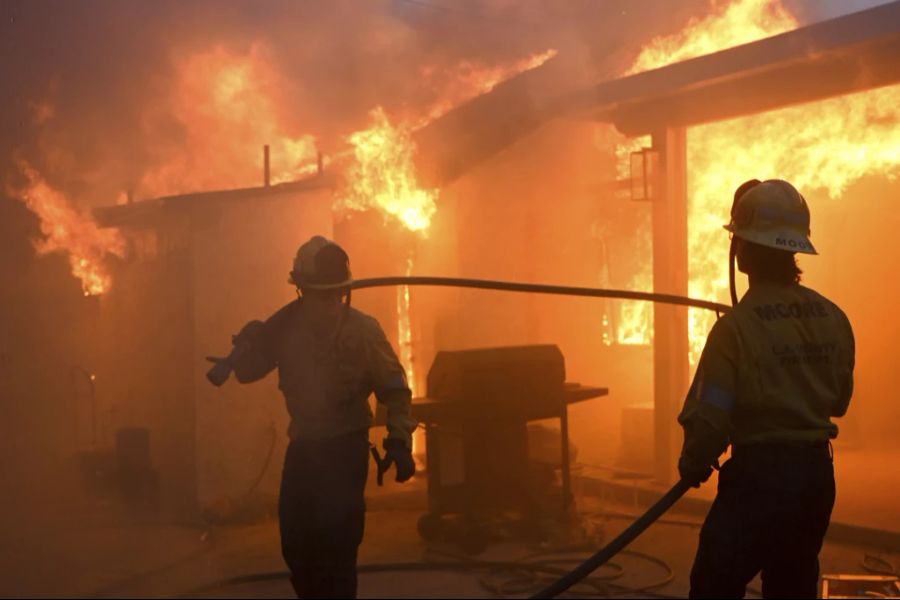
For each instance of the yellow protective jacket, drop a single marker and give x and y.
(775, 369)
(327, 382)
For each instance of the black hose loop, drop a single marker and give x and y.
(614, 547)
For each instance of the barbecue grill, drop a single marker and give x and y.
(476, 414)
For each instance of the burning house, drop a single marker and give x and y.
(536, 171)
(499, 190)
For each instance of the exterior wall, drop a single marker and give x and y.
(192, 280)
(145, 334)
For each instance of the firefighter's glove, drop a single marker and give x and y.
(221, 370)
(693, 471)
(398, 453)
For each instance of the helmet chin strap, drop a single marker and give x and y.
(732, 257)
(732, 251)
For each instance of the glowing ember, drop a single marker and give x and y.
(226, 107)
(67, 230)
(739, 22)
(383, 175)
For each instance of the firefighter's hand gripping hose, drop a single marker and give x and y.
(614, 547)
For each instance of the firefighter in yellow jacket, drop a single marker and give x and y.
(330, 358)
(774, 372)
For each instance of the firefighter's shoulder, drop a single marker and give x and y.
(829, 304)
(723, 335)
(364, 323)
(283, 313)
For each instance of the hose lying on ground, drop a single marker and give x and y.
(614, 547)
(528, 569)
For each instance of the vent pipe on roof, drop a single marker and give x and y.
(266, 165)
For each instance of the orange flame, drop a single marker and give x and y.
(404, 324)
(225, 106)
(738, 22)
(825, 145)
(67, 230)
(821, 146)
(383, 175)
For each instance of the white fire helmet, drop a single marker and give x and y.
(773, 214)
(320, 264)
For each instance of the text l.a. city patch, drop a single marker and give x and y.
(804, 354)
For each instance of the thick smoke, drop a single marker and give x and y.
(88, 86)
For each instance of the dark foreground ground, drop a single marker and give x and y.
(102, 553)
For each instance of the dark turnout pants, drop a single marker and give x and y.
(770, 515)
(322, 513)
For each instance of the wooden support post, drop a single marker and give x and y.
(266, 165)
(670, 276)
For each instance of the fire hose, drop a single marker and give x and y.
(221, 371)
(222, 368)
(618, 544)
